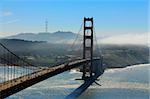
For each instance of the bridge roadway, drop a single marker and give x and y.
(15, 85)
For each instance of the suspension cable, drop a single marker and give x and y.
(77, 36)
(17, 55)
(99, 50)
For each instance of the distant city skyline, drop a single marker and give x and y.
(111, 17)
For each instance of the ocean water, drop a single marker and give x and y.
(125, 83)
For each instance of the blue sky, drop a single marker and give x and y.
(111, 17)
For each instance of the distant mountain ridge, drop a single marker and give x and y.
(56, 37)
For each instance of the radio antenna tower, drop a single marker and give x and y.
(46, 26)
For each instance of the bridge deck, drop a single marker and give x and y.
(15, 85)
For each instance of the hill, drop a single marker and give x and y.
(46, 54)
(56, 37)
(124, 55)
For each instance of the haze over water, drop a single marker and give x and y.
(126, 83)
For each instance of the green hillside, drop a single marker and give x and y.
(47, 54)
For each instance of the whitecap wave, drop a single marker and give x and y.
(74, 71)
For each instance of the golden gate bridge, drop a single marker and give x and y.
(91, 67)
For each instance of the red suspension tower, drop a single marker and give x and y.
(88, 48)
